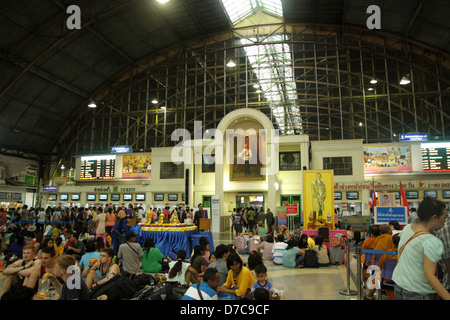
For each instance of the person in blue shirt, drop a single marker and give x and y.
(119, 228)
(293, 256)
(261, 280)
(91, 253)
(205, 290)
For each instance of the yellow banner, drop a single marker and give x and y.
(318, 199)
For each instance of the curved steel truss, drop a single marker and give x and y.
(313, 80)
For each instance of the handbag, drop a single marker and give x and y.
(413, 237)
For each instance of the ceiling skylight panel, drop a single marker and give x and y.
(272, 6)
(238, 10)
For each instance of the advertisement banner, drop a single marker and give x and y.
(381, 159)
(137, 166)
(318, 199)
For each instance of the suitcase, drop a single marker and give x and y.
(337, 255)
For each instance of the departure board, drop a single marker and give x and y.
(98, 167)
(436, 157)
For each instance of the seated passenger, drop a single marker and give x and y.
(278, 249)
(47, 265)
(78, 289)
(205, 290)
(222, 253)
(322, 252)
(266, 247)
(91, 253)
(198, 263)
(76, 248)
(101, 271)
(18, 273)
(240, 280)
(153, 259)
(178, 269)
(130, 254)
(293, 256)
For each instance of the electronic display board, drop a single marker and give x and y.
(436, 157)
(74, 197)
(97, 167)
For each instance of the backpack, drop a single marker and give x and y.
(117, 288)
(141, 280)
(161, 291)
(311, 259)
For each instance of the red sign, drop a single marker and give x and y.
(292, 208)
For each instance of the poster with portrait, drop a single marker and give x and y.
(318, 199)
(386, 199)
(248, 151)
(382, 159)
(137, 166)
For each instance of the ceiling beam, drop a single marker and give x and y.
(416, 13)
(62, 39)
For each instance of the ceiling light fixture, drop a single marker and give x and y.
(231, 64)
(92, 104)
(154, 101)
(373, 81)
(163, 1)
(405, 80)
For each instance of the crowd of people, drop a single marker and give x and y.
(95, 246)
(44, 248)
(423, 254)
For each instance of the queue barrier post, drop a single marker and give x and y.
(347, 291)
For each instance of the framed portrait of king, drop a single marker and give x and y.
(248, 157)
(318, 199)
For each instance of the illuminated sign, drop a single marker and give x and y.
(50, 189)
(121, 149)
(414, 137)
(97, 167)
(436, 157)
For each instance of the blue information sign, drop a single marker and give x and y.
(121, 149)
(414, 137)
(386, 214)
(50, 188)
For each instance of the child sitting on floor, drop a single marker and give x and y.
(261, 280)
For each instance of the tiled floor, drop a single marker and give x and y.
(302, 283)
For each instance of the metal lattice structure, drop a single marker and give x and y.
(323, 88)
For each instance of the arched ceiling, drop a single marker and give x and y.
(48, 71)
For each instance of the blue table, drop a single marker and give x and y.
(169, 242)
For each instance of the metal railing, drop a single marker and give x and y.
(358, 279)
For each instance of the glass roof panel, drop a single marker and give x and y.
(238, 10)
(272, 64)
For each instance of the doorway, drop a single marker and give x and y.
(255, 201)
